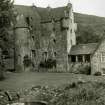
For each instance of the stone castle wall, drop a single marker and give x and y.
(37, 39)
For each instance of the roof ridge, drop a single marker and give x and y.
(22, 5)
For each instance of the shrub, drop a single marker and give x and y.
(50, 63)
(84, 69)
(81, 69)
(98, 73)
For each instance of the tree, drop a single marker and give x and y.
(87, 34)
(6, 18)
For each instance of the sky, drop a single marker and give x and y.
(91, 7)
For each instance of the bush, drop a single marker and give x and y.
(98, 73)
(50, 63)
(81, 69)
(84, 69)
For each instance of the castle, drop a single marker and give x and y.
(45, 40)
(43, 37)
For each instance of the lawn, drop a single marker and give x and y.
(16, 81)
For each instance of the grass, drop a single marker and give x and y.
(17, 81)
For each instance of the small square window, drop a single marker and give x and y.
(33, 53)
(33, 37)
(54, 40)
(55, 54)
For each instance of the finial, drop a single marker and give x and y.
(33, 4)
(69, 4)
(49, 8)
(69, 1)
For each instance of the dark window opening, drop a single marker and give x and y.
(55, 54)
(45, 53)
(73, 58)
(33, 37)
(33, 53)
(80, 58)
(87, 58)
(6, 54)
(28, 20)
(54, 40)
(50, 63)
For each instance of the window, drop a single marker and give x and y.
(5, 54)
(73, 58)
(54, 40)
(80, 58)
(33, 37)
(28, 20)
(87, 58)
(33, 53)
(55, 54)
(103, 57)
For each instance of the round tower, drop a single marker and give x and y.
(22, 48)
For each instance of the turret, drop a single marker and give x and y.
(22, 35)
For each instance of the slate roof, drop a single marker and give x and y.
(48, 13)
(83, 49)
(45, 14)
(59, 12)
(27, 11)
